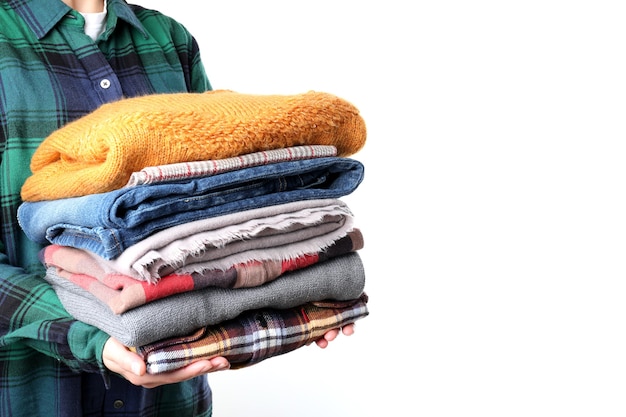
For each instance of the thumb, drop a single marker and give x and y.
(119, 359)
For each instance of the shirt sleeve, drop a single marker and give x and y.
(190, 57)
(32, 315)
(199, 79)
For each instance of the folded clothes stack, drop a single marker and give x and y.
(196, 225)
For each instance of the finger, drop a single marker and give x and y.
(331, 335)
(119, 359)
(195, 369)
(348, 330)
(219, 363)
(328, 337)
(322, 343)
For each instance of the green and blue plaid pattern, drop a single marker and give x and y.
(50, 74)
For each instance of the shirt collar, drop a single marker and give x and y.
(42, 15)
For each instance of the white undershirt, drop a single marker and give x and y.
(95, 23)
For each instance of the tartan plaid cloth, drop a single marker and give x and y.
(50, 74)
(254, 335)
(184, 170)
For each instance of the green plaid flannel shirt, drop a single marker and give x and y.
(52, 73)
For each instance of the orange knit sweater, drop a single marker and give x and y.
(98, 152)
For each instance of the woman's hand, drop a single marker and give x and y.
(117, 358)
(330, 335)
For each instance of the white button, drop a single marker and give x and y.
(105, 83)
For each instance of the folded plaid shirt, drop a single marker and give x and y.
(254, 336)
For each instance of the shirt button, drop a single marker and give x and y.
(118, 404)
(105, 83)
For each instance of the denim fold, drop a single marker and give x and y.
(108, 223)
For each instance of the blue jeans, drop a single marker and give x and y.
(108, 223)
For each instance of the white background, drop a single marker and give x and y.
(492, 208)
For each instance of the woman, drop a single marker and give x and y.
(60, 60)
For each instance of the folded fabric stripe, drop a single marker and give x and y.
(108, 223)
(218, 243)
(214, 244)
(122, 293)
(99, 151)
(185, 170)
(340, 278)
(253, 336)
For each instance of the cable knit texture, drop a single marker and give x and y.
(98, 152)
